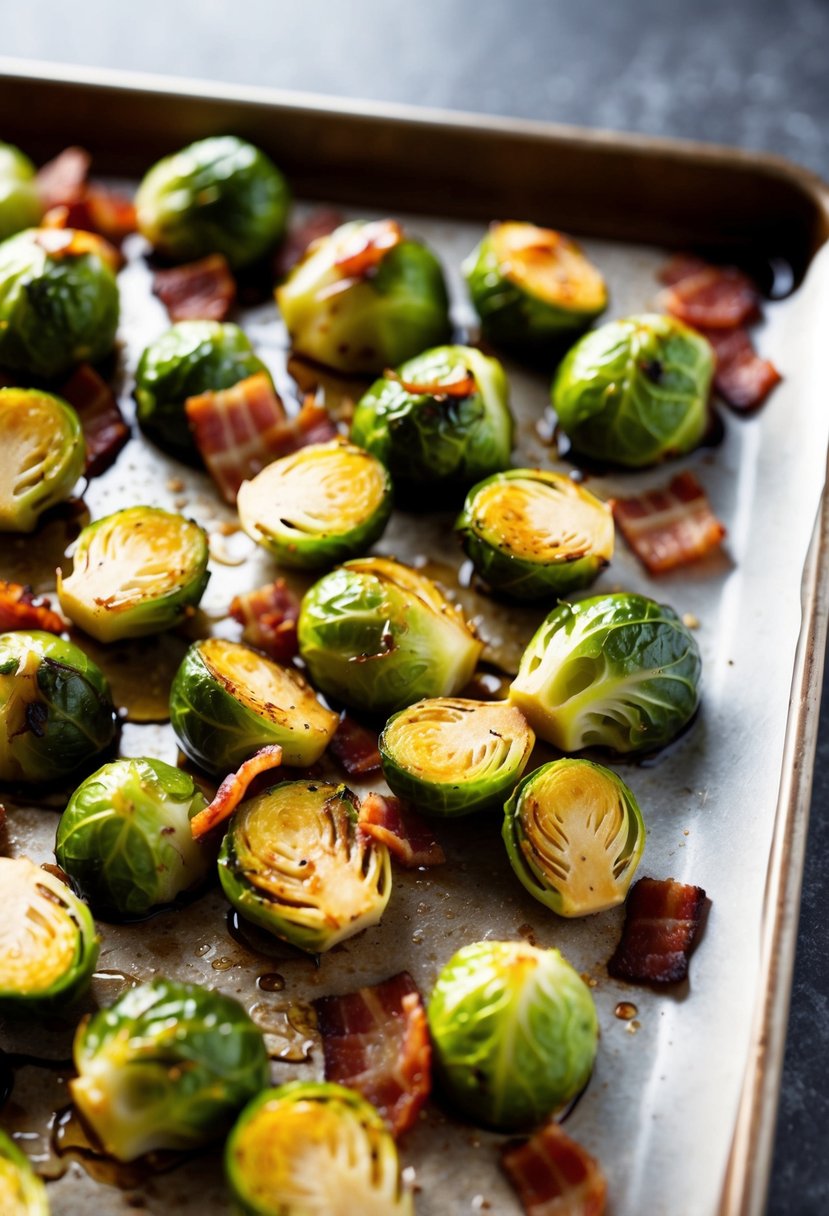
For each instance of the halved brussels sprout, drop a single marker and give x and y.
(295, 862)
(378, 636)
(514, 1030)
(167, 1066)
(56, 712)
(451, 757)
(58, 301)
(617, 671)
(635, 391)
(125, 839)
(20, 205)
(218, 195)
(313, 1148)
(425, 434)
(48, 944)
(534, 534)
(42, 454)
(323, 504)
(574, 834)
(530, 285)
(138, 571)
(228, 700)
(22, 1193)
(364, 298)
(192, 357)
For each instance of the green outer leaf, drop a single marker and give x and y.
(30, 1196)
(62, 467)
(20, 205)
(514, 1030)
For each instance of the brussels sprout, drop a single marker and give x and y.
(228, 700)
(294, 862)
(530, 285)
(58, 301)
(56, 712)
(617, 671)
(192, 357)
(125, 839)
(20, 205)
(533, 534)
(514, 1030)
(138, 571)
(326, 502)
(574, 834)
(42, 454)
(426, 436)
(21, 1191)
(167, 1066)
(635, 391)
(218, 195)
(313, 1148)
(452, 757)
(378, 635)
(364, 298)
(48, 946)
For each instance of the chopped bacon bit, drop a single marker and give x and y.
(715, 297)
(62, 181)
(464, 387)
(355, 747)
(376, 1041)
(104, 429)
(408, 837)
(681, 266)
(233, 789)
(367, 247)
(742, 378)
(269, 616)
(110, 213)
(21, 609)
(234, 429)
(554, 1175)
(319, 223)
(203, 290)
(662, 922)
(671, 526)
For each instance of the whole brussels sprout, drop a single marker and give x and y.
(635, 391)
(21, 1191)
(533, 534)
(451, 757)
(166, 1067)
(530, 285)
(20, 205)
(514, 1030)
(138, 571)
(319, 506)
(42, 455)
(218, 195)
(192, 357)
(313, 1148)
(574, 834)
(48, 944)
(56, 712)
(125, 839)
(617, 671)
(365, 298)
(377, 635)
(58, 301)
(426, 434)
(295, 863)
(228, 700)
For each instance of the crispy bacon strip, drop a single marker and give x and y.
(464, 387)
(367, 248)
(408, 837)
(376, 1041)
(355, 747)
(319, 223)
(712, 297)
(554, 1176)
(203, 290)
(671, 526)
(62, 181)
(20, 608)
(742, 378)
(662, 922)
(233, 789)
(104, 429)
(269, 616)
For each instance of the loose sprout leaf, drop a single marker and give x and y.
(233, 789)
(41, 456)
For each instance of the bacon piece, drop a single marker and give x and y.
(20, 608)
(742, 378)
(203, 290)
(319, 223)
(464, 387)
(681, 266)
(392, 823)
(269, 616)
(355, 747)
(376, 1041)
(104, 429)
(662, 922)
(62, 181)
(554, 1176)
(61, 242)
(233, 789)
(713, 297)
(367, 248)
(110, 213)
(671, 526)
